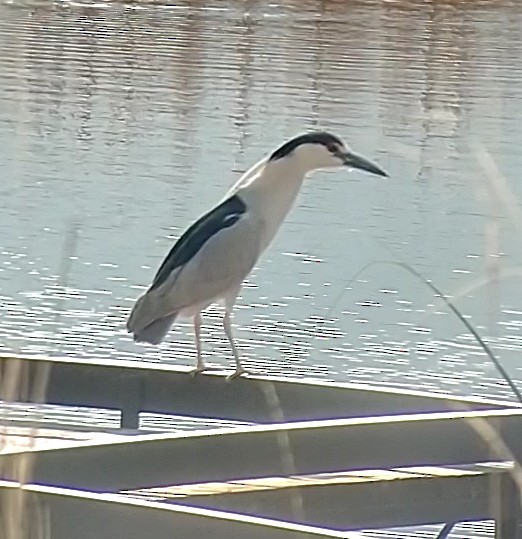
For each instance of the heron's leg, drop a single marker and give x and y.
(200, 366)
(227, 325)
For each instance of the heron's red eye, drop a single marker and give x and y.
(333, 148)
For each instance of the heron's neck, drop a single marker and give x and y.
(272, 192)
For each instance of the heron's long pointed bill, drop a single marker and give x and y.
(356, 161)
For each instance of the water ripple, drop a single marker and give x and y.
(120, 122)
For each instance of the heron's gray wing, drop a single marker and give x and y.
(213, 256)
(222, 216)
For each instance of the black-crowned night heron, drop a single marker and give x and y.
(213, 257)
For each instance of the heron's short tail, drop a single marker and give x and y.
(154, 333)
(144, 326)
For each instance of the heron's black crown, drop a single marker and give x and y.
(316, 137)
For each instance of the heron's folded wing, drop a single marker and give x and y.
(222, 216)
(213, 257)
(220, 265)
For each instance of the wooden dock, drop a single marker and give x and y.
(292, 458)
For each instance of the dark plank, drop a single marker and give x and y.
(83, 515)
(133, 387)
(294, 448)
(377, 504)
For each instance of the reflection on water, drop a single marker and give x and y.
(122, 122)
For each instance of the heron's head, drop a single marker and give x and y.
(319, 149)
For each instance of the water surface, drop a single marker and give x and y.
(120, 123)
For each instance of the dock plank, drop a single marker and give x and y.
(266, 450)
(133, 387)
(85, 515)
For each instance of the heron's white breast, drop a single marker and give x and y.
(271, 195)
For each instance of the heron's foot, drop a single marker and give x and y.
(203, 368)
(236, 374)
(199, 368)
